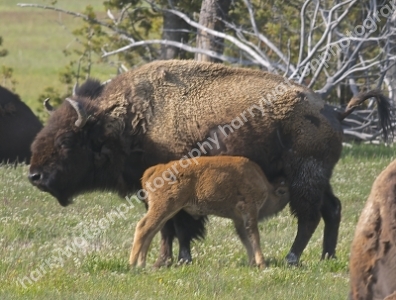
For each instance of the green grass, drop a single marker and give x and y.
(35, 39)
(34, 227)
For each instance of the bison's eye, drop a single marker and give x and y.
(66, 144)
(65, 141)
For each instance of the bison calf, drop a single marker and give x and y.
(225, 186)
(373, 253)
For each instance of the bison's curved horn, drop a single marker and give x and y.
(82, 115)
(48, 107)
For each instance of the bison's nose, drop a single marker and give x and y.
(35, 177)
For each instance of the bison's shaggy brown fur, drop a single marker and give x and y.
(161, 111)
(373, 252)
(229, 186)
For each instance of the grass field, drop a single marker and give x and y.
(35, 230)
(35, 39)
(43, 255)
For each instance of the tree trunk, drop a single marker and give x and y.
(173, 31)
(211, 11)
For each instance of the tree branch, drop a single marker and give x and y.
(261, 37)
(174, 44)
(82, 16)
(302, 34)
(227, 37)
(329, 27)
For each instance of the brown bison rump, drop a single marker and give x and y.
(372, 262)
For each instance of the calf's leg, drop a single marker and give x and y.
(138, 241)
(243, 236)
(146, 229)
(251, 226)
(247, 229)
(165, 257)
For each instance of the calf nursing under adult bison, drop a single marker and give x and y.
(228, 186)
(105, 137)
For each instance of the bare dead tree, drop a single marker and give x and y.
(327, 57)
(174, 29)
(212, 12)
(314, 56)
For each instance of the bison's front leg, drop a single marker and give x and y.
(187, 228)
(165, 257)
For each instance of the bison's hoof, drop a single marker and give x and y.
(165, 262)
(182, 262)
(292, 259)
(328, 256)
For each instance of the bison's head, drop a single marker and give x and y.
(75, 153)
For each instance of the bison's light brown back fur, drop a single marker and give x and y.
(179, 98)
(373, 251)
(230, 187)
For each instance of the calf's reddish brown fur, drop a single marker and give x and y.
(373, 253)
(226, 186)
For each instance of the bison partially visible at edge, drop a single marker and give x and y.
(373, 252)
(18, 127)
(161, 111)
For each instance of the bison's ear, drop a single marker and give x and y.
(48, 107)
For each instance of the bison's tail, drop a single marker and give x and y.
(383, 107)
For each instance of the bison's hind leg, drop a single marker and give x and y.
(331, 214)
(308, 181)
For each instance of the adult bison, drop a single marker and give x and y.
(373, 253)
(18, 127)
(166, 110)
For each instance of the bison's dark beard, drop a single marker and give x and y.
(63, 201)
(123, 182)
(66, 191)
(63, 198)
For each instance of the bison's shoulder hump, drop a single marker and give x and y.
(92, 88)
